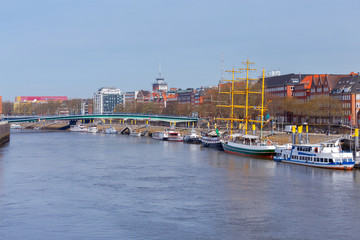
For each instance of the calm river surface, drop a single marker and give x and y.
(62, 185)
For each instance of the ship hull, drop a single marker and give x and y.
(249, 150)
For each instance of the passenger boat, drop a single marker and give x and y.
(249, 145)
(328, 155)
(211, 140)
(193, 137)
(174, 136)
(93, 129)
(78, 128)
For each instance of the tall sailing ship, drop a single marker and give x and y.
(246, 144)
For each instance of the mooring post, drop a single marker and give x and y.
(300, 128)
(293, 135)
(356, 135)
(307, 134)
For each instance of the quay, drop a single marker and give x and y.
(4, 133)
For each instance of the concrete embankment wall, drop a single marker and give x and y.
(4, 133)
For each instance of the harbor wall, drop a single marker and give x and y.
(4, 133)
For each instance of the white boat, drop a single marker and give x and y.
(249, 145)
(110, 130)
(78, 128)
(135, 134)
(16, 126)
(168, 135)
(193, 137)
(174, 136)
(159, 135)
(93, 129)
(328, 155)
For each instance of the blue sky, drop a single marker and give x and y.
(73, 47)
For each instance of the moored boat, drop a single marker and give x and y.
(168, 135)
(211, 140)
(160, 135)
(249, 145)
(174, 136)
(110, 130)
(135, 134)
(93, 129)
(193, 137)
(78, 128)
(16, 126)
(328, 155)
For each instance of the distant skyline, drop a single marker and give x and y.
(74, 47)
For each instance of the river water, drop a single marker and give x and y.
(62, 185)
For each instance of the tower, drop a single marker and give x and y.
(160, 85)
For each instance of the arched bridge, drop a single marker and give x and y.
(124, 116)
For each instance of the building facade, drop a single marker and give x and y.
(347, 91)
(43, 99)
(317, 87)
(129, 97)
(106, 99)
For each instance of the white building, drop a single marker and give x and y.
(130, 96)
(106, 99)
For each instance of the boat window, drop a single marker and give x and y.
(330, 160)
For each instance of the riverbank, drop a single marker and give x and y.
(278, 138)
(4, 133)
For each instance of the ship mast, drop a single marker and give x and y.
(232, 92)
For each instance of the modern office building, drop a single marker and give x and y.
(106, 99)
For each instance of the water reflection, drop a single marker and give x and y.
(94, 186)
